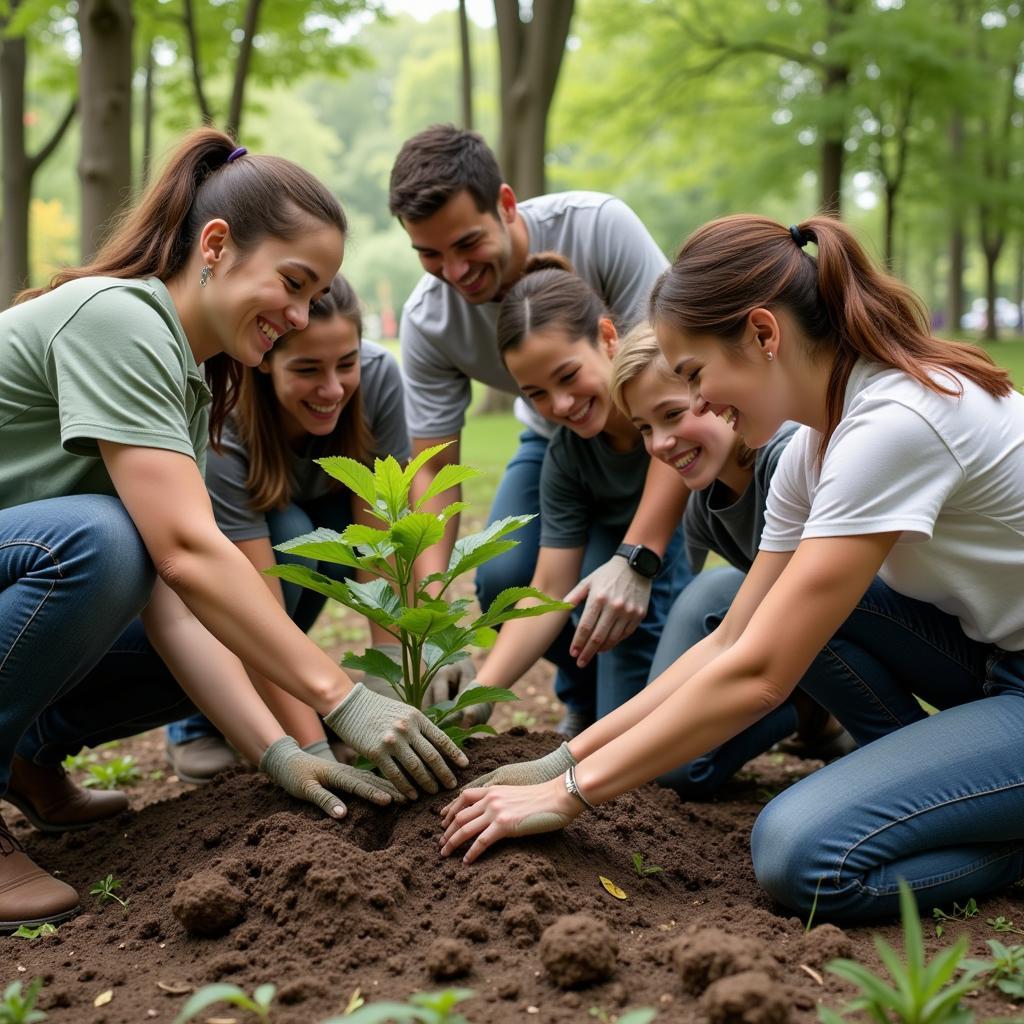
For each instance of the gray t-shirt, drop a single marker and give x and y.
(381, 387)
(448, 342)
(586, 482)
(713, 521)
(97, 359)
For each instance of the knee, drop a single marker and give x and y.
(116, 554)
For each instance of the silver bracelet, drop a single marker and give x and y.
(573, 789)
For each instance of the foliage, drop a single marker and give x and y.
(642, 869)
(258, 1003)
(1005, 970)
(958, 913)
(17, 1007)
(39, 931)
(120, 771)
(430, 629)
(103, 890)
(921, 993)
(1001, 924)
(422, 1008)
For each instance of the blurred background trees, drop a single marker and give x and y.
(906, 117)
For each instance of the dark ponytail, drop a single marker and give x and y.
(847, 308)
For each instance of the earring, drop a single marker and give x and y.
(204, 275)
(769, 356)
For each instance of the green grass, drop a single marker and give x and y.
(1009, 354)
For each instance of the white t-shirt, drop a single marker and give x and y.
(946, 471)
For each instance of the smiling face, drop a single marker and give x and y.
(566, 379)
(468, 249)
(314, 374)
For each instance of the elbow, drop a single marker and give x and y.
(184, 561)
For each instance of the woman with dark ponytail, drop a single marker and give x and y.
(895, 517)
(114, 377)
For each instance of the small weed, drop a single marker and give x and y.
(258, 1003)
(814, 908)
(156, 775)
(1000, 924)
(27, 932)
(422, 1008)
(78, 762)
(523, 719)
(922, 993)
(968, 910)
(643, 870)
(17, 1007)
(120, 771)
(103, 890)
(643, 1015)
(1005, 970)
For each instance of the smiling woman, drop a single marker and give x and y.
(117, 589)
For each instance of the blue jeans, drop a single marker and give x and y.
(937, 800)
(615, 676)
(75, 666)
(303, 606)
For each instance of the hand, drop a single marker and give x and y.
(452, 681)
(378, 684)
(617, 599)
(395, 736)
(528, 773)
(487, 815)
(307, 776)
(321, 749)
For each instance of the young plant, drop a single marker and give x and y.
(120, 771)
(1001, 924)
(258, 1003)
(39, 931)
(643, 870)
(422, 1008)
(921, 993)
(1005, 970)
(78, 762)
(967, 911)
(430, 629)
(17, 1007)
(103, 890)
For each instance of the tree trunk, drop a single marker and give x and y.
(148, 113)
(890, 224)
(1018, 285)
(835, 82)
(466, 80)
(991, 249)
(105, 81)
(17, 179)
(955, 289)
(252, 19)
(192, 35)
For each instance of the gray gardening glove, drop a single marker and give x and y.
(378, 684)
(451, 682)
(321, 749)
(395, 736)
(308, 777)
(528, 773)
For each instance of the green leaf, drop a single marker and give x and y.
(322, 545)
(827, 1016)
(502, 608)
(368, 536)
(484, 636)
(391, 486)
(375, 599)
(481, 695)
(443, 1001)
(454, 509)
(386, 1013)
(641, 1015)
(447, 477)
(465, 553)
(417, 463)
(264, 994)
(425, 621)
(304, 576)
(210, 994)
(375, 663)
(912, 939)
(458, 735)
(354, 475)
(470, 560)
(414, 533)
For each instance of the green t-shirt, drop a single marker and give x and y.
(98, 359)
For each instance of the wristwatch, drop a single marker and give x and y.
(641, 560)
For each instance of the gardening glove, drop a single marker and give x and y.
(529, 773)
(378, 684)
(321, 749)
(307, 777)
(395, 736)
(617, 597)
(452, 681)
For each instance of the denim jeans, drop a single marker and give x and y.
(75, 666)
(303, 606)
(615, 676)
(937, 800)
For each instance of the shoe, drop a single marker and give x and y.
(574, 721)
(199, 760)
(819, 738)
(54, 803)
(28, 895)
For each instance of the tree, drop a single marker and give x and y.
(466, 78)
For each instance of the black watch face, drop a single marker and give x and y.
(646, 562)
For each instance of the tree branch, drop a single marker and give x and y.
(193, 48)
(252, 18)
(45, 151)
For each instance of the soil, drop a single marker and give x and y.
(237, 882)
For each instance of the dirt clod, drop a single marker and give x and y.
(824, 943)
(750, 997)
(703, 956)
(578, 950)
(207, 904)
(448, 959)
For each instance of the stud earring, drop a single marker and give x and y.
(769, 356)
(204, 275)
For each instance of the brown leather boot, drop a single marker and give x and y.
(53, 803)
(28, 895)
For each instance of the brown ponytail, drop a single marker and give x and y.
(847, 308)
(259, 197)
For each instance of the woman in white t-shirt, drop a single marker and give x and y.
(909, 466)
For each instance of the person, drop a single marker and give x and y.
(318, 392)
(109, 551)
(725, 514)
(557, 341)
(473, 239)
(909, 465)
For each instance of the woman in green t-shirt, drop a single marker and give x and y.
(109, 549)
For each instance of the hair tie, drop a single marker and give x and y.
(798, 236)
(235, 154)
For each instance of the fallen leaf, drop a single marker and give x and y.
(176, 988)
(611, 887)
(813, 973)
(103, 998)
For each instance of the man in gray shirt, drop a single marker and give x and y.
(473, 238)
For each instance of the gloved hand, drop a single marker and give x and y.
(321, 749)
(378, 684)
(395, 736)
(307, 777)
(452, 681)
(617, 599)
(528, 773)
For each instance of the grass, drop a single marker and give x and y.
(1009, 354)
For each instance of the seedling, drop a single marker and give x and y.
(1005, 970)
(258, 1003)
(103, 890)
(1000, 924)
(78, 762)
(120, 771)
(430, 629)
(40, 931)
(922, 993)
(643, 870)
(18, 1007)
(422, 1008)
(643, 1015)
(814, 907)
(968, 910)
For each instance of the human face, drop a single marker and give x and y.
(255, 298)
(701, 449)
(467, 249)
(565, 378)
(314, 373)
(736, 382)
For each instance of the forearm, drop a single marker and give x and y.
(298, 720)
(661, 508)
